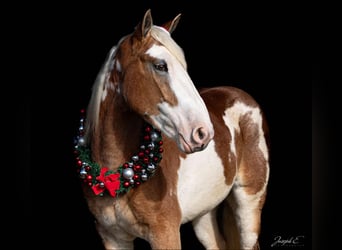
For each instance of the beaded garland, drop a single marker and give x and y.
(130, 174)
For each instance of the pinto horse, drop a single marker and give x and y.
(154, 152)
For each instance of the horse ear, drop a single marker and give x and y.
(171, 25)
(146, 24)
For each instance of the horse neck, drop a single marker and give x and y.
(118, 134)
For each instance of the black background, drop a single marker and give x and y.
(264, 50)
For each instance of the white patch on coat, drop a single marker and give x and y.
(232, 118)
(230, 122)
(201, 183)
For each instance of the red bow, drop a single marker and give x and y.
(111, 182)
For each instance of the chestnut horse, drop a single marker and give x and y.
(154, 152)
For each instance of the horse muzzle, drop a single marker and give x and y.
(198, 141)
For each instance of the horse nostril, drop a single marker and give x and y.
(201, 134)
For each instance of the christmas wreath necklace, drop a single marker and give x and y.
(138, 169)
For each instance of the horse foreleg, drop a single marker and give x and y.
(165, 237)
(115, 240)
(207, 231)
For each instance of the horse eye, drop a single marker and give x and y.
(161, 66)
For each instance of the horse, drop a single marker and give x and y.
(153, 151)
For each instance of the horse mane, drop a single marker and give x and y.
(102, 77)
(98, 88)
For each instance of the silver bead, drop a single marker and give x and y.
(154, 136)
(127, 173)
(101, 184)
(83, 171)
(81, 141)
(151, 167)
(144, 177)
(151, 146)
(135, 157)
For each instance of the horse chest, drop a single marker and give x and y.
(201, 183)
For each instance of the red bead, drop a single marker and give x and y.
(145, 159)
(160, 143)
(126, 184)
(135, 177)
(137, 168)
(148, 129)
(137, 183)
(79, 163)
(146, 137)
(125, 165)
(89, 177)
(161, 150)
(141, 154)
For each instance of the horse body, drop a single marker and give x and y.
(215, 153)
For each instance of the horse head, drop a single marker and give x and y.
(148, 69)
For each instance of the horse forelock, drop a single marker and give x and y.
(98, 89)
(164, 37)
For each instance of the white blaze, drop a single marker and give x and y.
(190, 109)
